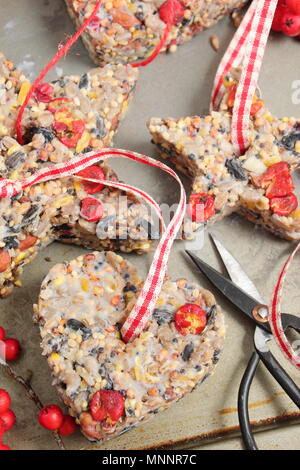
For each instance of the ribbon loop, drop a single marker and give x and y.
(246, 49)
(148, 296)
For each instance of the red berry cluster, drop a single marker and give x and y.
(52, 418)
(7, 416)
(9, 347)
(287, 17)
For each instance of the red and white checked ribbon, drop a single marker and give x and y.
(142, 311)
(275, 315)
(247, 49)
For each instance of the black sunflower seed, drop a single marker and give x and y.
(211, 315)
(289, 140)
(100, 127)
(84, 81)
(14, 160)
(187, 352)
(216, 356)
(11, 242)
(30, 214)
(47, 133)
(79, 326)
(129, 288)
(163, 315)
(235, 169)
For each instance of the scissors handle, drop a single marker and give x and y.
(281, 376)
(290, 321)
(243, 400)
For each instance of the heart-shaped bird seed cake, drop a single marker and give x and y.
(108, 385)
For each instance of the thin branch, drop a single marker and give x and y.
(32, 396)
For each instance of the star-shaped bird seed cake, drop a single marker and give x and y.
(69, 116)
(257, 184)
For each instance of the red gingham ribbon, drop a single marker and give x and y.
(247, 49)
(142, 311)
(275, 315)
(232, 58)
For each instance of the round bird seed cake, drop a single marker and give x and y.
(108, 385)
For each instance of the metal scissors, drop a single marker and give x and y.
(241, 292)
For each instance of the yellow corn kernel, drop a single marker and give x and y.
(77, 186)
(58, 281)
(19, 257)
(62, 202)
(18, 283)
(272, 160)
(137, 373)
(269, 117)
(55, 357)
(297, 146)
(296, 214)
(85, 285)
(160, 302)
(14, 175)
(3, 131)
(13, 149)
(83, 142)
(25, 87)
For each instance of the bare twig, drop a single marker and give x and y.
(32, 396)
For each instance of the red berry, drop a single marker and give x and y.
(277, 20)
(4, 447)
(8, 417)
(190, 319)
(107, 405)
(4, 260)
(284, 205)
(2, 333)
(277, 180)
(91, 209)
(43, 92)
(171, 12)
(5, 400)
(201, 207)
(290, 24)
(51, 417)
(28, 242)
(293, 6)
(96, 173)
(12, 349)
(68, 426)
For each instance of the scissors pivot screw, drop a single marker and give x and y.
(260, 313)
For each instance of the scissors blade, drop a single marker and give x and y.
(236, 272)
(237, 296)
